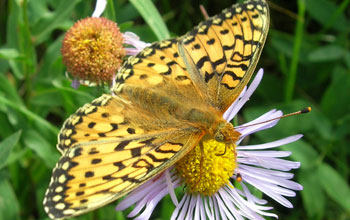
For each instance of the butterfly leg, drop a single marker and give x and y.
(222, 154)
(201, 162)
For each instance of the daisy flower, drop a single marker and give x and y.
(209, 193)
(213, 196)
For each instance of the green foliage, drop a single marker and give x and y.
(306, 61)
(152, 17)
(6, 147)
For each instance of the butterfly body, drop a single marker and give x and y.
(174, 104)
(191, 110)
(165, 100)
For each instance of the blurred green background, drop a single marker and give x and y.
(306, 61)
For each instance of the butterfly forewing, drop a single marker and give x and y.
(107, 152)
(157, 68)
(221, 53)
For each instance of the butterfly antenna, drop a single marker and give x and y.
(201, 162)
(204, 12)
(283, 10)
(303, 111)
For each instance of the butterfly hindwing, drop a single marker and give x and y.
(105, 157)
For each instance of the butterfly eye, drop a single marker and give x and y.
(219, 137)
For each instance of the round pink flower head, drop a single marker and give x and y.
(93, 50)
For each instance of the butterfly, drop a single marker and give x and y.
(164, 102)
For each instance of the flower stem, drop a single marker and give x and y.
(291, 78)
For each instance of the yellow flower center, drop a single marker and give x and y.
(93, 49)
(208, 167)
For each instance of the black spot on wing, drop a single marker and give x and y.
(201, 61)
(108, 177)
(89, 174)
(208, 76)
(96, 161)
(101, 134)
(105, 115)
(148, 141)
(130, 130)
(80, 193)
(233, 75)
(244, 67)
(122, 145)
(211, 41)
(225, 31)
(136, 152)
(91, 125)
(93, 151)
(119, 164)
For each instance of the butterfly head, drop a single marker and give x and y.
(225, 132)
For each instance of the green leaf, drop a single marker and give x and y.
(125, 12)
(43, 28)
(29, 114)
(327, 13)
(6, 128)
(347, 59)
(6, 147)
(312, 189)
(9, 89)
(335, 185)
(297, 45)
(110, 10)
(320, 123)
(9, 53)
(48, 98)
(167, 207)
(302, 152)
(343, 129)
(18, 37)
(16, 155)
(38, 10)
(107, 212)
(9, 207)
(41, 147)
(282, 42)
(152, 17)
(326, 53)
(335, 102)
(12, 36)
(52, 55)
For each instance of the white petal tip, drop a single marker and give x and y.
(99, 8)
(298, 136)
(260, 72)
